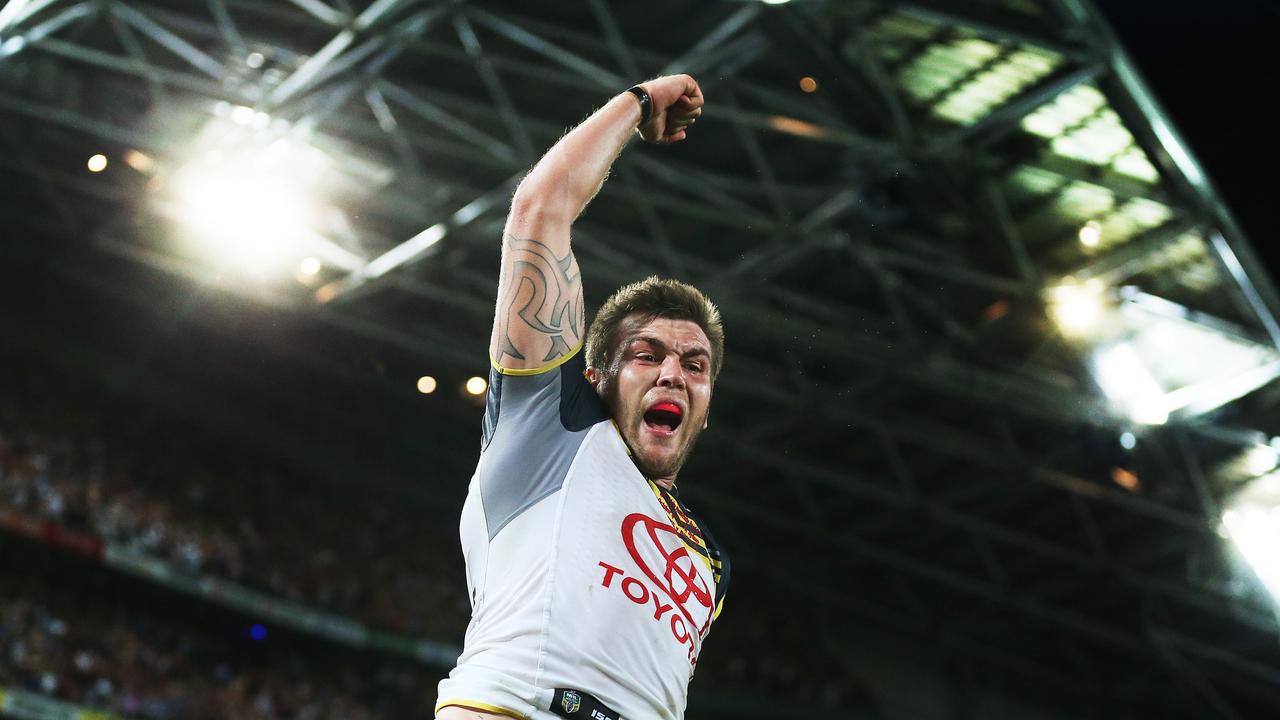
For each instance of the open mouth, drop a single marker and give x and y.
(663, 418)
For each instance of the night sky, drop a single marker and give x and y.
(1215, 67)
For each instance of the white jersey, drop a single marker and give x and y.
(583, 574)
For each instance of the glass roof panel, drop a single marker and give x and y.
(1080, 125)
(1187, 258)
(1134, 163)
(1035, 181)
(961, 76)
(943, 64)
(1132, 218)
(975, 99)
(1083, 202)
(904, 26)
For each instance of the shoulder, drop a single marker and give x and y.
(534, 425)
(556, 395)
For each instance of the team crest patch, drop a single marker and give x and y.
(570, 701)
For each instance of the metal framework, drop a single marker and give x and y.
(910, 440)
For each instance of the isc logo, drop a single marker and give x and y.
(597, 715)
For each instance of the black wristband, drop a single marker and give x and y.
(646, 102)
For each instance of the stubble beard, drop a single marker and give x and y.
(627, 427)
(673, 466)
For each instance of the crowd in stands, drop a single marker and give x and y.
(138, 481)
(100, 655)
(86, 461)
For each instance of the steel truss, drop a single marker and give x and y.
(906, 437)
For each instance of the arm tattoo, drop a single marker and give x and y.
(538, 294)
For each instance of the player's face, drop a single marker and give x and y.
(658, 389)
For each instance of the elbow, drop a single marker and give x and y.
(539, 204)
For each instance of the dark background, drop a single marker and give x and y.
(1215, 68)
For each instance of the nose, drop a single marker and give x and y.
(671, 373)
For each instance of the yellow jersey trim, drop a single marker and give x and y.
(540, 369)
(702, 553)
(475, 705)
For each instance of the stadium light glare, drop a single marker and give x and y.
(251, 216)
(1124, 379)
(1128, 440)
(258, 195)
(1202, 363)
(477, 385)
(1251, 519)
(1154, 359)
(97, 163)
(242, 114)
(426, 384)
(1091, 234)
(1076, 308)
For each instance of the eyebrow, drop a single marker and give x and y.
(655, 342)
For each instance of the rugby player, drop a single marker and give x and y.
(592, 585)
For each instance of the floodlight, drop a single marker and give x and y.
(1091, 234)
(477, 385)
(1076, 308)
(259, 193)
(250, 217)
(242, 115)
(1251, 518)
(426, 384)
(97, 163)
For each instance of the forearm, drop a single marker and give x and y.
(559, 187)
(539, 316)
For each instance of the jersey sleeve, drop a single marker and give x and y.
(534, 422)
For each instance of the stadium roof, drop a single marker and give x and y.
(932, 267)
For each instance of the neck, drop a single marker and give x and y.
(666, 482)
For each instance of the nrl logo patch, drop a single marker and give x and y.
(570, 701)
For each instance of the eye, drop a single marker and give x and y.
(647, 357)
(693, 367)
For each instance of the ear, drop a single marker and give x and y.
(706, 421)
(593, 376)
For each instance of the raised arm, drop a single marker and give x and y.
(539, 317)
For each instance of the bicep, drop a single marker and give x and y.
(539, 316)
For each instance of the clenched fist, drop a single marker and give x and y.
(677, 104)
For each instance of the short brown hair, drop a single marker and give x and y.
(654, 297)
